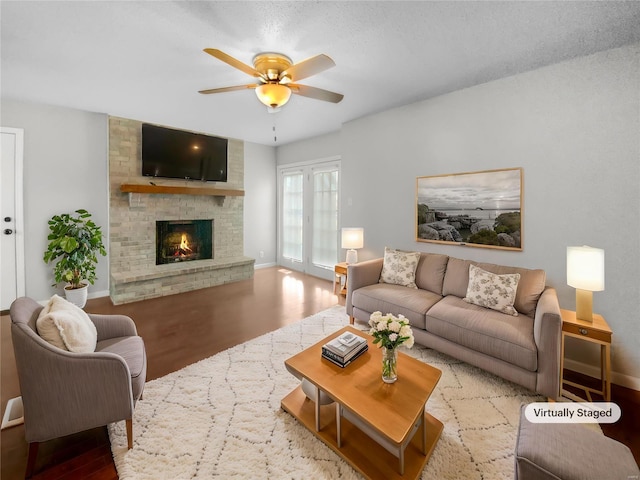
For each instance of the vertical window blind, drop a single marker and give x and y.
(324, 250)
(292, 215)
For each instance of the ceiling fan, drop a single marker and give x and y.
(277, 77)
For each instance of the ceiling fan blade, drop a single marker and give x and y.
(228, 59)
(229, 89)
(317, 93)
(308, 67)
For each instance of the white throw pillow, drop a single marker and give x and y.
(66, 326)
(497, 292)
(399, 268)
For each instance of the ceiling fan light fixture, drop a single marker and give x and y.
(278, 77)
(273, 95)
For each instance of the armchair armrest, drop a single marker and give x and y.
(547, 331)
(112, 326)
(360, 275)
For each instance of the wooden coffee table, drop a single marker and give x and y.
(372, 425)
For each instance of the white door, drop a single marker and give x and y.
(11, 221)
(308, 217)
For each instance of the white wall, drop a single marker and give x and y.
(260, 203)
(573, 127)
(316, 148)
(65, 168)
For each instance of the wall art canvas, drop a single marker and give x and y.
(480, 209)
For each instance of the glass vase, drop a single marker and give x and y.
(389, 365)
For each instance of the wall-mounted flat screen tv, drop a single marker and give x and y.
(173, 153)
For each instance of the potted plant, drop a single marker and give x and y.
(74, 242)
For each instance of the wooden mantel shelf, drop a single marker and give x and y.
(170, 189)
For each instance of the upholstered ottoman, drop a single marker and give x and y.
(569, 451)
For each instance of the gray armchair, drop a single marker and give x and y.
(64, 392)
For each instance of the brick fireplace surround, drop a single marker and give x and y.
(132, 225)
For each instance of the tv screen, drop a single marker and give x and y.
(173, 153)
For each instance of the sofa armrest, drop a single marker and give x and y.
(113, 326)
(360, 275)
(547, 331)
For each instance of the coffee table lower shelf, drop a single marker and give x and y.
(359, 450)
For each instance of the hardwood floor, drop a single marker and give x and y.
(182, 329)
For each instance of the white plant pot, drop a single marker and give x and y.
(77, 296)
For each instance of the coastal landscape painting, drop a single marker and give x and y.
(480, 209)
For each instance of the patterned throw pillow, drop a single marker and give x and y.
(497, 292)
(399, 268)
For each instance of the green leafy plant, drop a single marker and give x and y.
(74, 241)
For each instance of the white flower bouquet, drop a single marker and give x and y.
(390, 331)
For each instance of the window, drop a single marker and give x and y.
(308, 217)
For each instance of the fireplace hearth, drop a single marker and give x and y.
(183, 240)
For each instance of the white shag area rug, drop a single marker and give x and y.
(221, 417)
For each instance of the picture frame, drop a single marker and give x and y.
(479, 209)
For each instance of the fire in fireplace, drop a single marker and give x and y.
(183, 240)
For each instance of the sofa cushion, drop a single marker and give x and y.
(530, 286)
(497, 292)
(385, 298)
(430, 272)
(399, 268)
(486, 331)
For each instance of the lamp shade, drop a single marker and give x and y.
(273, 95)
(585, 268)
(352, 238)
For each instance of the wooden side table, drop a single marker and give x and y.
(597, 332)
(341, 271)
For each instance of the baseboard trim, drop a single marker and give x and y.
(99, 294)
(264, 265)
(593, 371)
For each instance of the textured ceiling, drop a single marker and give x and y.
(144, 60)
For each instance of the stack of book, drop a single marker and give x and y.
(344, 349)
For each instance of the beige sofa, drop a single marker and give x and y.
(524, 349)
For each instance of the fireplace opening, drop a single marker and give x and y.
(183, 240)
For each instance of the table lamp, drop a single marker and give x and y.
(352, 238)
(585, 272)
